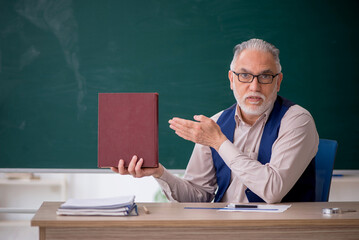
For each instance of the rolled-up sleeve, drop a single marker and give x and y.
(198, 183)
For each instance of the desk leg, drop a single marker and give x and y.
(42, 233)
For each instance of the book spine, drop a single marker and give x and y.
(156, 140)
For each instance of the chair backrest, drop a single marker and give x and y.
(324, 164)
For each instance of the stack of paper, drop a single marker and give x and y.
(116, 206)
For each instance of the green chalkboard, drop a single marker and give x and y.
(56, 56)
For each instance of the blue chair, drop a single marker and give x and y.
(324, 164)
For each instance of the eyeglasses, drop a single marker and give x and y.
(262, 78)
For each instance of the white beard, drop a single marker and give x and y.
(255, 110)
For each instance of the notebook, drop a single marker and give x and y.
(127, 126)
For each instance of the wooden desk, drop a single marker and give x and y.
(172, 221)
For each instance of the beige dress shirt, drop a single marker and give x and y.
(295, 147)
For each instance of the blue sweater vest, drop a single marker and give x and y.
(302, 191)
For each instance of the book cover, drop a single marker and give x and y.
(127, 126)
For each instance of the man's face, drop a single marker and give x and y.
(255, 98)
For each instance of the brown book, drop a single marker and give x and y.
(127, 126)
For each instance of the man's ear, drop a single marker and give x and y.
(279, 81)
(230, 76)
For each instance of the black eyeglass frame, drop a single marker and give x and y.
(256, 76)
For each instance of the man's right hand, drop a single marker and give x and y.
(135, 169)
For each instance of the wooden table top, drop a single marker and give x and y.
(174, 215)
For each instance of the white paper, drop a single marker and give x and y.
(115, 206)
(260, 208)
(124, 211)
(99, 203)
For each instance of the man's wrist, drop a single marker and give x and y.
(159, 172)
(219, 143)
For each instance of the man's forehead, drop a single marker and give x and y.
(259, 58)
(263, 70)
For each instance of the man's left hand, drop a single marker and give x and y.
(205, 131)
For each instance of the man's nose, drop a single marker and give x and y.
(255, 85)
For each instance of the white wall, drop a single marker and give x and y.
(109, 185)
(344, 188)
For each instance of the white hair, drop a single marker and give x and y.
(257, 44)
